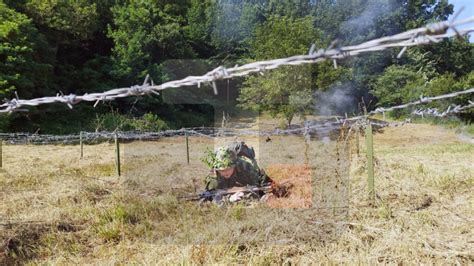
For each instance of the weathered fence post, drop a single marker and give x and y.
(117, 154)
(357, 140)
(370, 162)
(1, 153)
(187, 146)
(307, 139)
(82, 145)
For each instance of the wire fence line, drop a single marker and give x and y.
(316, 129)
(313, 128)
(436, 113)
(423, 100)
(432, 33)
(98, 137)
(310, 128)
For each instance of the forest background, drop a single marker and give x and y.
(86, 46)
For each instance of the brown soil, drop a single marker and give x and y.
(297, 178)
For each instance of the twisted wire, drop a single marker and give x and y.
(431, 33)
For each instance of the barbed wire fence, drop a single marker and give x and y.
(432, 33)
(436, 113)
(211, 132)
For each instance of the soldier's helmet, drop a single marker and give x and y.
(224, 158)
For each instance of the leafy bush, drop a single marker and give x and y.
(114, 121)
(149, 122)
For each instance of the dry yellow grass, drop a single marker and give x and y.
(58, 209)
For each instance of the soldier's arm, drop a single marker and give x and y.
(211, 181)
(264, 178)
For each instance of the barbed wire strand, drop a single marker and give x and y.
(422, 100)
(318, 127)
(321, 128)
(450, 110)
(431, 33)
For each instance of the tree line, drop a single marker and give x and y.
(86, 46)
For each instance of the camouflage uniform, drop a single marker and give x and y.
(246, 170)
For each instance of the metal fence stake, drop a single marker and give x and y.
(187, 146)
(1, 153)
(117, 154)
(357, 133)
(82, 145)
(370, 162)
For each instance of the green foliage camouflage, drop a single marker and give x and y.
(221, 159)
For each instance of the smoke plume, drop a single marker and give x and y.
(338, 100)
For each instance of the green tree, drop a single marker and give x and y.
(451, 56)
(145, 33)
(198, 28)
(232, 24)
(285, 91)
(382, 18)
(78, 18)
(75, 33)
(397, 85)
(71, 44)
(22, 67)
(294, 9)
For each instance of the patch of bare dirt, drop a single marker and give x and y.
(297, 179)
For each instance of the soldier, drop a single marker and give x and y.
(234, 165)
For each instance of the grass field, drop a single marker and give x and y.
(58, 209)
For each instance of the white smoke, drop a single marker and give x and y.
(233, 21)
(359, 25)
(338, 100)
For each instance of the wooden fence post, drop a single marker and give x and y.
(370, 162)
(187, 146)
(117, 154)
(82, 145)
